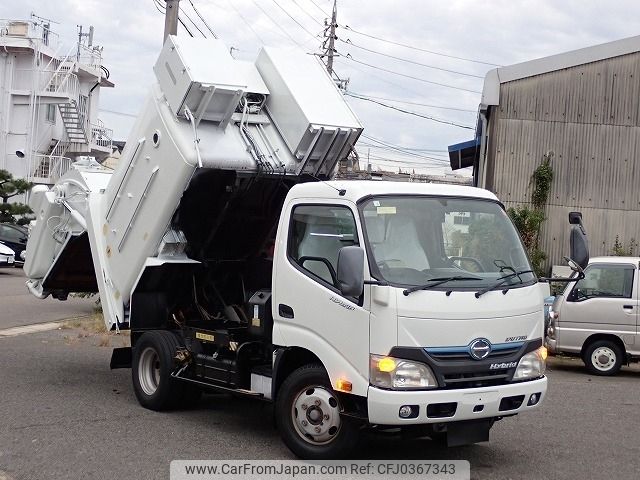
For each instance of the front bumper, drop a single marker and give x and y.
(6, 261)
(384, 405)
(551, 344)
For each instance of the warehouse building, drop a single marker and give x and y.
(582, 109)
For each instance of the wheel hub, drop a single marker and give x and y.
(149, 371)
(603, 358)
(316, 415)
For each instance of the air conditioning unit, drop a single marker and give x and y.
(18, 29)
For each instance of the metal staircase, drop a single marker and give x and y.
(74, 119)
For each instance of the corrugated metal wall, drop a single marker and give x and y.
(589, 117)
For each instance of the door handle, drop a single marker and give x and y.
(285, 311)
(627, 307)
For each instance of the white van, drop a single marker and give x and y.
(597, 317)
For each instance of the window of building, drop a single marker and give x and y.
(50, 113)
(317, 233)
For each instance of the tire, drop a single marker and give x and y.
(151, 369)
(603, 357)
(307, 391)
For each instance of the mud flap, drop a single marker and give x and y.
(468, 432)
(121, 358)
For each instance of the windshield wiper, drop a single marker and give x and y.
(501, 281)
(436, 282)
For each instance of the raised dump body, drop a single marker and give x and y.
(244, 126)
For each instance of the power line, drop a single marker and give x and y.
(320, 8)
(400, 149)
(276, 24)
(125, 114)
(304, 10)
(350, 57)
(347, 27)
(292, 18)
(202, 19)
(417, 103)
(409, 112)
(191, 20)
(430, 151)
(161, 9)
(406, 60)
(230, 2)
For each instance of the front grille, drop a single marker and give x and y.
(476, 379)
(462, 353)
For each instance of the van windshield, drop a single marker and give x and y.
(414, 239)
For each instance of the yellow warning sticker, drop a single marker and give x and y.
(205, 336)
(386, 210)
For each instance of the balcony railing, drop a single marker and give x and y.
(101, 135)
(49, 168)
(43, 82)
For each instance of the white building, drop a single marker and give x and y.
(49, 97)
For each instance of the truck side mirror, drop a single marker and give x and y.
(578, 241)
(351, 271)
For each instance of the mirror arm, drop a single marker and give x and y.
(580, 276)
(376, 282)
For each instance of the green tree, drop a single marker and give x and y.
(11, 187)
(528, 220)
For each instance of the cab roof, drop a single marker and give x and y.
(355, 190)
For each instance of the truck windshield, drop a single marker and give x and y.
(413, 240)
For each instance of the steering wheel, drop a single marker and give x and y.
(473, 260)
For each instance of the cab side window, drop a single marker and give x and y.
(608, 281)
(316, 235)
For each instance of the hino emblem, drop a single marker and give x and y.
(479, 348)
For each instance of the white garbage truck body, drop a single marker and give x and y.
(239, 266)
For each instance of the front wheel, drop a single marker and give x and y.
(603, 357)
(308, 416)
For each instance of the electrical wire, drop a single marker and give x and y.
(412, 47)
(409, 112)
(406, 60)
(292, 18)
(162, 9)
(319, 8)
(304, 10)
(350, 57)
(202, 19)
(457, 109)
(191, 20)
(397, 148)
(230, 2)
(277, 24)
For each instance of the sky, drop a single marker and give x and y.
(452, 44)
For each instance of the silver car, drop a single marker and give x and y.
(597, 317)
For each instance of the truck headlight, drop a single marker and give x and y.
(400, 374)
(532, 365)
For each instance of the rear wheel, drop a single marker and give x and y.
(603, 357)
(151, 370)
(308, 416)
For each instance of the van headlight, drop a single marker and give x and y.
(400, 374)
(532, 365)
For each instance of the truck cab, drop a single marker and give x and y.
(596, 317)
(428, 340)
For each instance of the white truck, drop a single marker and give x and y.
(239, 267)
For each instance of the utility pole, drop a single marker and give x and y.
(171, 18)
(332, 37)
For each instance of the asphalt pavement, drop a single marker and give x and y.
(66, 415)
(18, 307)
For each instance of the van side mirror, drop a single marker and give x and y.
(351, 271)
(579, 244)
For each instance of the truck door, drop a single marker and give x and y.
(309, 310)
(604, 301)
